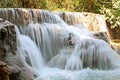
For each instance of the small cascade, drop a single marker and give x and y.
(101, 23)
(29, 53)
(48, 37)
(89, 21)
(93, 53)
(72, 18)
(22, 17)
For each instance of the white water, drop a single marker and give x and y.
(101, 23)
(84, 74)
(88, 59)
(45, 49)
(30, 54)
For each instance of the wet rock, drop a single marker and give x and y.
(7, 36)
(8, 48)
(4, 73)
(11, 66)
(71, 40)
(101, 35)
(26, 74)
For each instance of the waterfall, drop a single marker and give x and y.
(89, 21)
(54, 50)
(48, 37)
(29, 53)
(101, 23)
(93, 53)
(22, 17)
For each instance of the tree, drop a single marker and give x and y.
(112, 13)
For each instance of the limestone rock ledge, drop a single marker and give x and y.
(8, 53)
(7, 38)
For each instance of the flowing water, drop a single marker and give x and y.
(54, 50)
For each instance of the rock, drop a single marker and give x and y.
(101, 35)
(7, 47)
(7, 36)
(11, 67)
(71, 41)
(25, 74)
(4, 73)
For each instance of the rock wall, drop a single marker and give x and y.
(9, 55)
(7, 38)
(7, 44)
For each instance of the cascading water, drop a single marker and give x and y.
(29, 53)
(55, 51)
(90, 21)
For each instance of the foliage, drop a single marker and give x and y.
(112, 13)
(110, 8)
